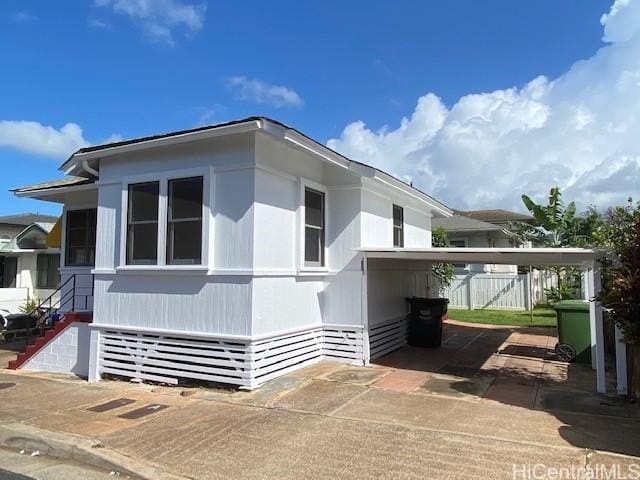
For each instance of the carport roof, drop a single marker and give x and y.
(507, 256)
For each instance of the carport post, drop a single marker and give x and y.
(621, 363)
(597, 330)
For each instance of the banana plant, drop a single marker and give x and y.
(557, 221)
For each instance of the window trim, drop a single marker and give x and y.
(208, 177)
(303, 266)
(395, 206)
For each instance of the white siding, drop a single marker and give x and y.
(417, 228)
(377, 220)
(277, 199)
(389, 285)
(108, 226)
(233, 224)
(188, 303)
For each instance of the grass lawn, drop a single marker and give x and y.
(542, 317)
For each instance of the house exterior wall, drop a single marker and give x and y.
(253, 288)
(485, 240)
(253, 281)
(214, 298)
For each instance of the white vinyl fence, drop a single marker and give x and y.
(499, 291)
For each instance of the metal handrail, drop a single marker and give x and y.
(49, 307)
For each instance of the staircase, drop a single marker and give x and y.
(49, 310)
(48, 336)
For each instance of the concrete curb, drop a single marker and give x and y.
(18, 436)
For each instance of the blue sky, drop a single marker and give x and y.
(125, 68)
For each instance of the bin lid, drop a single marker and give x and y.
(579, 305)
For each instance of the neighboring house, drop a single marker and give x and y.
(491, 285)
(28, 267)
(231, 253)
(483, 228)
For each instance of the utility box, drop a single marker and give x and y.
(574, 331)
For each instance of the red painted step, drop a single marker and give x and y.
(48, 336)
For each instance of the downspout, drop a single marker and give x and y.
(88, 169)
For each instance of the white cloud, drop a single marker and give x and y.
(159, 19)
(22, 16)
(254, 90)
(42, 140)
(94, 23)
(579, 131)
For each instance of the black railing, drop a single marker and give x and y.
(63, 299)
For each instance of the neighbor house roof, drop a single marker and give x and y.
(25, 219)
(497, 215)
(33, 236)
(79, 163)
(460, 223)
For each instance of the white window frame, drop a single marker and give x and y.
(393, 225)
(302, 266)
(163, 178)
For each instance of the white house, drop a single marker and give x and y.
(232, 253)
(466, 231)
(28, 267)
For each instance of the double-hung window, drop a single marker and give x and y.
(142, 223)
(398, 226)
(314, 228)
(183, 242)
(80, 244)
(184, 222)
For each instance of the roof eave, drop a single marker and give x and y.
(73, 165)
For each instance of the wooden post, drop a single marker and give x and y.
(597, 329)
(621, 363)
(530, 285)
(470, 293)
(94, 355)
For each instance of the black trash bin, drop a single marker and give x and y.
(425, 323)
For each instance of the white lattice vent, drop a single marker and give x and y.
(343, 343)
(387, 337)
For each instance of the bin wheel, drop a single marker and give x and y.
(565, 352)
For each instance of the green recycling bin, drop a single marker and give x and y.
(574, 331)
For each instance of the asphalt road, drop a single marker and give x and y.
(16, 466)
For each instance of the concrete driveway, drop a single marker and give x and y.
(416, 414)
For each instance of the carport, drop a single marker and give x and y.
(414, 260)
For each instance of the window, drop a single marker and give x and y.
(459, 244)
(8, 272)
(80, 246)
(184, 222)
(47, 271)
(142, 223)
(398, 226)
(313, 228)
